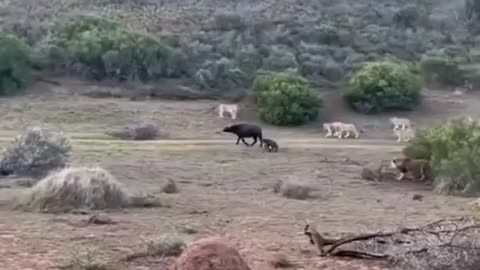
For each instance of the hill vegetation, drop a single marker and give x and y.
(217, 47)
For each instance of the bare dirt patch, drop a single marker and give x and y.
(228, 192)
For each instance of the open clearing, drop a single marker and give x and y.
(224, 189)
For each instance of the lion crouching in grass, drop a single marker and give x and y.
(77, 188)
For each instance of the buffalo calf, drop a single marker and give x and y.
(270, 144)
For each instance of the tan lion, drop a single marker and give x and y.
(339, 128)
(419, 168)
(331, 128)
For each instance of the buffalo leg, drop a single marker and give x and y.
(254, 141)
(243, 140)
(238, 140)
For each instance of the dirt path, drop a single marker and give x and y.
(287, 142)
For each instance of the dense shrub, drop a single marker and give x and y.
(454, 153)
(229, 21)
(220, 74)
(267, 80)
(442, 70)
(280, 58)
(409, 16)
(36, 152)
(15, 64)
(383, 86)
(30, 31)
(419, 148)
(286, 99)
(471, 73)
(98, 48)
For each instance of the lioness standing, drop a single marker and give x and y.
(232, 109)
(339, 128)
(400, 123)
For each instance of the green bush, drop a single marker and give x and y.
(443, 71)
(454, 153)
(99, 49)
(267, 80)
(419, 148)
(15, 64)
(285, 99)
(74, 26)
(383, 86)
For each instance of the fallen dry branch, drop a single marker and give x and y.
(443, 244)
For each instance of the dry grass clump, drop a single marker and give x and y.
(294, 188)
(87, 260)
(167, 245)
(76, 188)
(144, 201)
(281, 261)
(137, 132)
(170, 187)
(475, 206)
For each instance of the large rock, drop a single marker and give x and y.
(211, 253)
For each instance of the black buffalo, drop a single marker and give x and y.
(246, 131)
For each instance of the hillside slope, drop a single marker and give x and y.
(219, 45)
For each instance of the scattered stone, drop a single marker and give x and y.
(100, 219)
(373, 172)
(417, 197)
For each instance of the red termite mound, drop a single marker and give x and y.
(211, 253)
